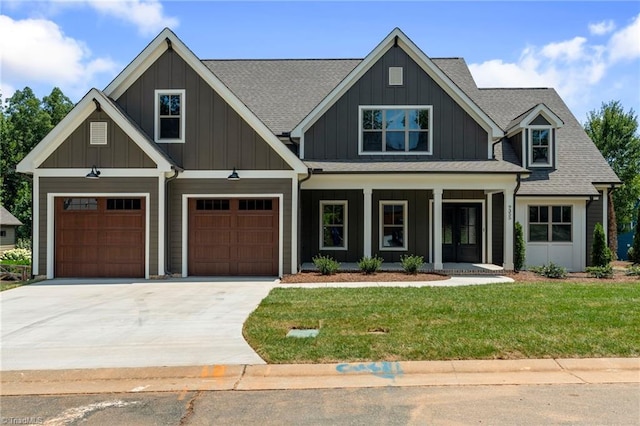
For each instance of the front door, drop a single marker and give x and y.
(462, 232)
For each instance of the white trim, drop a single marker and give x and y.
(104, 173)
(396, 76)
(509, 220)
(550, 146)
(185, 224)
(366, 221)
(51, 196)
(437, 228)
(294, 226)
(540, 109)
(244, 174)
(407, 130)
(345, 224)
(74, 119)
(405, 224)
(98, 133)
(35, 228)
(157, 118)
(161, 225)
(489, 242)
(157, 47)
(423, 61)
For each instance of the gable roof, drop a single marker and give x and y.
(527, 117)
(78, 114)
(7, 219)
(397, 37)
(168, 40)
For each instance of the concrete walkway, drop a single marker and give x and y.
(322, 376)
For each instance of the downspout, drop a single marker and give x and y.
(167, 225)
(300, 182)
(493, 149)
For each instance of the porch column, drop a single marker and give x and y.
(489, 225)
(366, 221)
(437, 228)
(509, 213)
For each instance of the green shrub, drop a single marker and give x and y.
(23, 243)
(634, 271)
(519, 248)
(550, 271)
(631, 255)
(600, 253)
(17, 256)
(411, 263)
(635, 247)
(600, 271)
(370, 265)
(326, 264)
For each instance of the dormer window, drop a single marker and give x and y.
(395, 130)
(169, 116)
(540, 147)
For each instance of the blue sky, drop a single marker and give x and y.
(588, 51)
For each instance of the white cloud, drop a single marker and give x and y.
(570, 50)
(602, 28)
(625, 44)
(36, 51)
(147, 15)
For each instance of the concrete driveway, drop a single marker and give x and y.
(66, 324)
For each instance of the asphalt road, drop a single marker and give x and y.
(582, 404)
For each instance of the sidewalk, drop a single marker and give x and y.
(321, 376)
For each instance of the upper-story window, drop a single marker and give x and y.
(169, 115)
(395, 130)
(540, 149)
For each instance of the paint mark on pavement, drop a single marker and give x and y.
(139, 388)
(77, 413)
(383, 369)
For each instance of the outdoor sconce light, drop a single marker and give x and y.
(94, 173)
(234, 175)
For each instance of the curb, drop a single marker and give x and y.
(321, 376)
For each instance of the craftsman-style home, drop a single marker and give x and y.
(252, 167)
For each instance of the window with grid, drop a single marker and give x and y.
(170, 118)
(333, 227)
(550, 223)
(393, 225)
(389, 130)
(540, 152)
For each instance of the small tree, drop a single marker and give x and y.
(636, 241)
(519, 248)
(600, 253)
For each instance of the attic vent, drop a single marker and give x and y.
(395, 76)
(98, 133)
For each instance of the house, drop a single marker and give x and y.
(8, 225)
(251, 167)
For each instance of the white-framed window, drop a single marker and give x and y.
(395, 130)
(396, 76)
(170, 115)
(540, 147)
(98, 133)
(393, 225)
(333, 225)
(550, 223)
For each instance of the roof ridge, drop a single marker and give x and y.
(280, 59)
(515, 88)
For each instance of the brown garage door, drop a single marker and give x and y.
(99, 237)
(233, 237)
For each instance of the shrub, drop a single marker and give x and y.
(23, 243)
(519, 248)
(370, 265)
(635, 247)
(631, 255)
(17, 256)
(411, 263)
(600, 271)
(550, 271)
(326, 264)
(600, 253)
(634, 271)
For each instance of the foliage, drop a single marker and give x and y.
(600, 271)
(326, 264)
(24, 121)
(550, 271)
(612, 229)
(634, 271)
(631, 255)
(411, 263)
(635, 248)
(502, 321)
(600, 253)
(370, 265)
(615, 133)
(519, 248)
(17, 256)
(23, 243)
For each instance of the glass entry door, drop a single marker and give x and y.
(462, 232)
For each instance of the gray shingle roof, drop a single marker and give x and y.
(371, 166)
(282, 92)
(7, 219)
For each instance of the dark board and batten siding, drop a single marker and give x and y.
(119, 152)
(217, 138)
(212, 187)
(311, 223)
(516, 144)
(456, 135)
(102, 186)
(497, 228)
(594, 215)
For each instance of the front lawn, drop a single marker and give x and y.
(502, 321)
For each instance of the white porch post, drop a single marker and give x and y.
(366, 222)
(161, 225)
(437, 228)
(509, 213)
(489, 241)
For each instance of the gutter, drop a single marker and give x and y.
(300, 182)
(167, 230)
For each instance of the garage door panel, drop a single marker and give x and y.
(206, 253)
(120, 238)
(115, 221)
(256, 237)
(255, 221)
(206, 237)
(212, 222)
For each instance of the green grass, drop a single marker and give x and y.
(8, 285)
(512, 321)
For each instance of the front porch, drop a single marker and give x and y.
(448, 268)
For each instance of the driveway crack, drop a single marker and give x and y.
(189, 409)
(235, 385)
